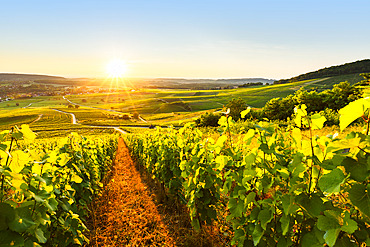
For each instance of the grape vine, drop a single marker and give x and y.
(47, 185)
(279, 186)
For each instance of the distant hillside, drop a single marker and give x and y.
(345, 69)
(180, 83)
(27, 77)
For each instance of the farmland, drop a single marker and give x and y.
(154, 106)
(243, 183)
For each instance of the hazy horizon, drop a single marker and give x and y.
(192, 40)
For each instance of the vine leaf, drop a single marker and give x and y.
(265, 216)
(317, 121)
(7, 215)
(236, 207)
(245, 112)
(28, 134)
(285, 220)
(357, 169)
(10, 238)
(19, 160)
(360, 197)
(3, 146)
(40, 236)
(352, 111)
(349, 225)
(257, 234)
(221, 161)
(22, 220)
(329, 223)
(332, 181)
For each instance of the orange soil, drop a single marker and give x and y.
(131, 212)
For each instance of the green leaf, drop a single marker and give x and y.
(360, 197)
(221, 140)
(221, 161)
(352, 111)
(7, 215)
(75, 178)
(30, 243)
(19, 160)
(297, 167)
(332, 181)
(349, 225)
(329, 164)
(239, 236)
(314, 206)
(356, 169)
(310, 240)
(288, 204)
(317, 121)
(17, 135)
(22, 220)
(249, 136)
(236, 207)
(245, 112)
(285, 220)
(251, 197)
(265, 216)
(10, 238)
(257, 234)
(297, 137)
(330, 220)
(27, 132)
(345, 242)
(330, 224)
(3, 146)
(331, 236)
(39, 234)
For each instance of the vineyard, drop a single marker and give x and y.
(47, 185)
(269, 185)
(246, 184)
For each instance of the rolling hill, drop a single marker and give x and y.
(361, 66)
(27, 77)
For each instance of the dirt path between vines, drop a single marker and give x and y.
(132, 211)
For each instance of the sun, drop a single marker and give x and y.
(116, 68)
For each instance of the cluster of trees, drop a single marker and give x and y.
(250, 84)
(236, 106)
(334, 99)
(73, 106)
(348, 68)
(364, 82)
(327, 102)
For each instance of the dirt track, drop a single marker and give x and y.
(132, 212)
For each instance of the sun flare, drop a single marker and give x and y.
(116, 68)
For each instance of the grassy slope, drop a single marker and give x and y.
(158, 107)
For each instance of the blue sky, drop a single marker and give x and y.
(191, 39)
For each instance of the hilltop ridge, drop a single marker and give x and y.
(27, 77)
(360, 66)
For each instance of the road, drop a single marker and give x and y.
(27, 105)
(75, 121)
(38, 118)
(102, 109)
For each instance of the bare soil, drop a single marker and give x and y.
(133, 210)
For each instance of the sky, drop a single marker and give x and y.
(182, 39)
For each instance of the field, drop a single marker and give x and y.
(242, 184)
(155, 107)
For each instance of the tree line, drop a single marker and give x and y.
(327, 102)
(344, 69)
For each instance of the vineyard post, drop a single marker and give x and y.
(312, 155)
(368, 123)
